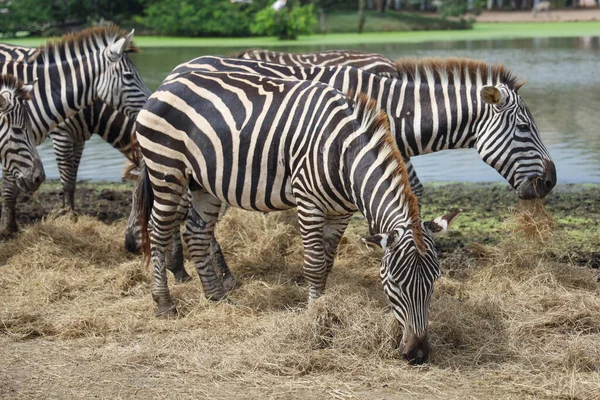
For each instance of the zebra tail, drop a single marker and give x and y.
(145, 201)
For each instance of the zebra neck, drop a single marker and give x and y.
(378, 189)
(423, 123)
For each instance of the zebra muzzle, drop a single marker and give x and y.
(539, 186)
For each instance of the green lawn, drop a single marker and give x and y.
(479, 31)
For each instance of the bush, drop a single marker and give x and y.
(287, 23)
(200, 17)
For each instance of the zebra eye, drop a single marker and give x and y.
(523, 127)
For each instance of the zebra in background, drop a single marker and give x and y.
(72, 73)
(269, 144)
(68, 137)
(390, 69)
(21, 163)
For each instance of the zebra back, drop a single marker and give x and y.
(370, 62)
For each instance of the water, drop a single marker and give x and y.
(562, 92)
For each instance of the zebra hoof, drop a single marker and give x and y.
(182, 276)
(166, 310)
(230, 283)
(216, 296)
(166, 307)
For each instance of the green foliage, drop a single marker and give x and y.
(200, 17)
(455, 8)
(287, 23)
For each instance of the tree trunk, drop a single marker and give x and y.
(382, 5)
(361, 15)
(322, 23)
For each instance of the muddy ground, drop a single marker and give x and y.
(575, 208)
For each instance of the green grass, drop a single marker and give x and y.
(480, 31)
(347, 22)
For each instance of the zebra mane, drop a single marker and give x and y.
(98, 37)
(448, 68)
(369, 113)
(10, 82)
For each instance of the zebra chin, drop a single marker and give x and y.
(538, 186)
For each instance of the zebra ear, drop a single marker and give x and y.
(120, 46)
(440, 225)
(381, 239)
(28, 89)
(492, 95)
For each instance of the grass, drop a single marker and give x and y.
(480, 31)
(346, 22)
(509, 319)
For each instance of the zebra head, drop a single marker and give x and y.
(509, 141)
(408, 274)
(20, 160)
(121, 85)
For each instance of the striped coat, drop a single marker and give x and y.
(270, 144)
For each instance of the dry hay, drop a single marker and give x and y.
(76, 311)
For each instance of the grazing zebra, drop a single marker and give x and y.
(21, 163)
(68, 137)
(269, 144)
(437, 105)
(370, 62)
(72, 73)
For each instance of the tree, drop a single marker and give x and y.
(361, 15)
(286, 23)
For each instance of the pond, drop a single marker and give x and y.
(562, 92)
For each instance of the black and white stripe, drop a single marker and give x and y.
(270, 144)
(21, 164)
(72, 74)
(370, 62)
(68, 137)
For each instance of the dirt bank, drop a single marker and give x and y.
(588, 14)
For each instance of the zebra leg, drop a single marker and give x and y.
(335, 225)
(415, 183)
(162, 221)
(312, 224)
(200, 227)
(218, 260)
(174, 260)
(8, 221)
(63, 150)
(70, 193)
(229, 281)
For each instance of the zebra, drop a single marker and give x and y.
(73, 72)
(68, 137)
(267, 144)
(21, 162)
(354, 59)
(370, 62)
(465, 114)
